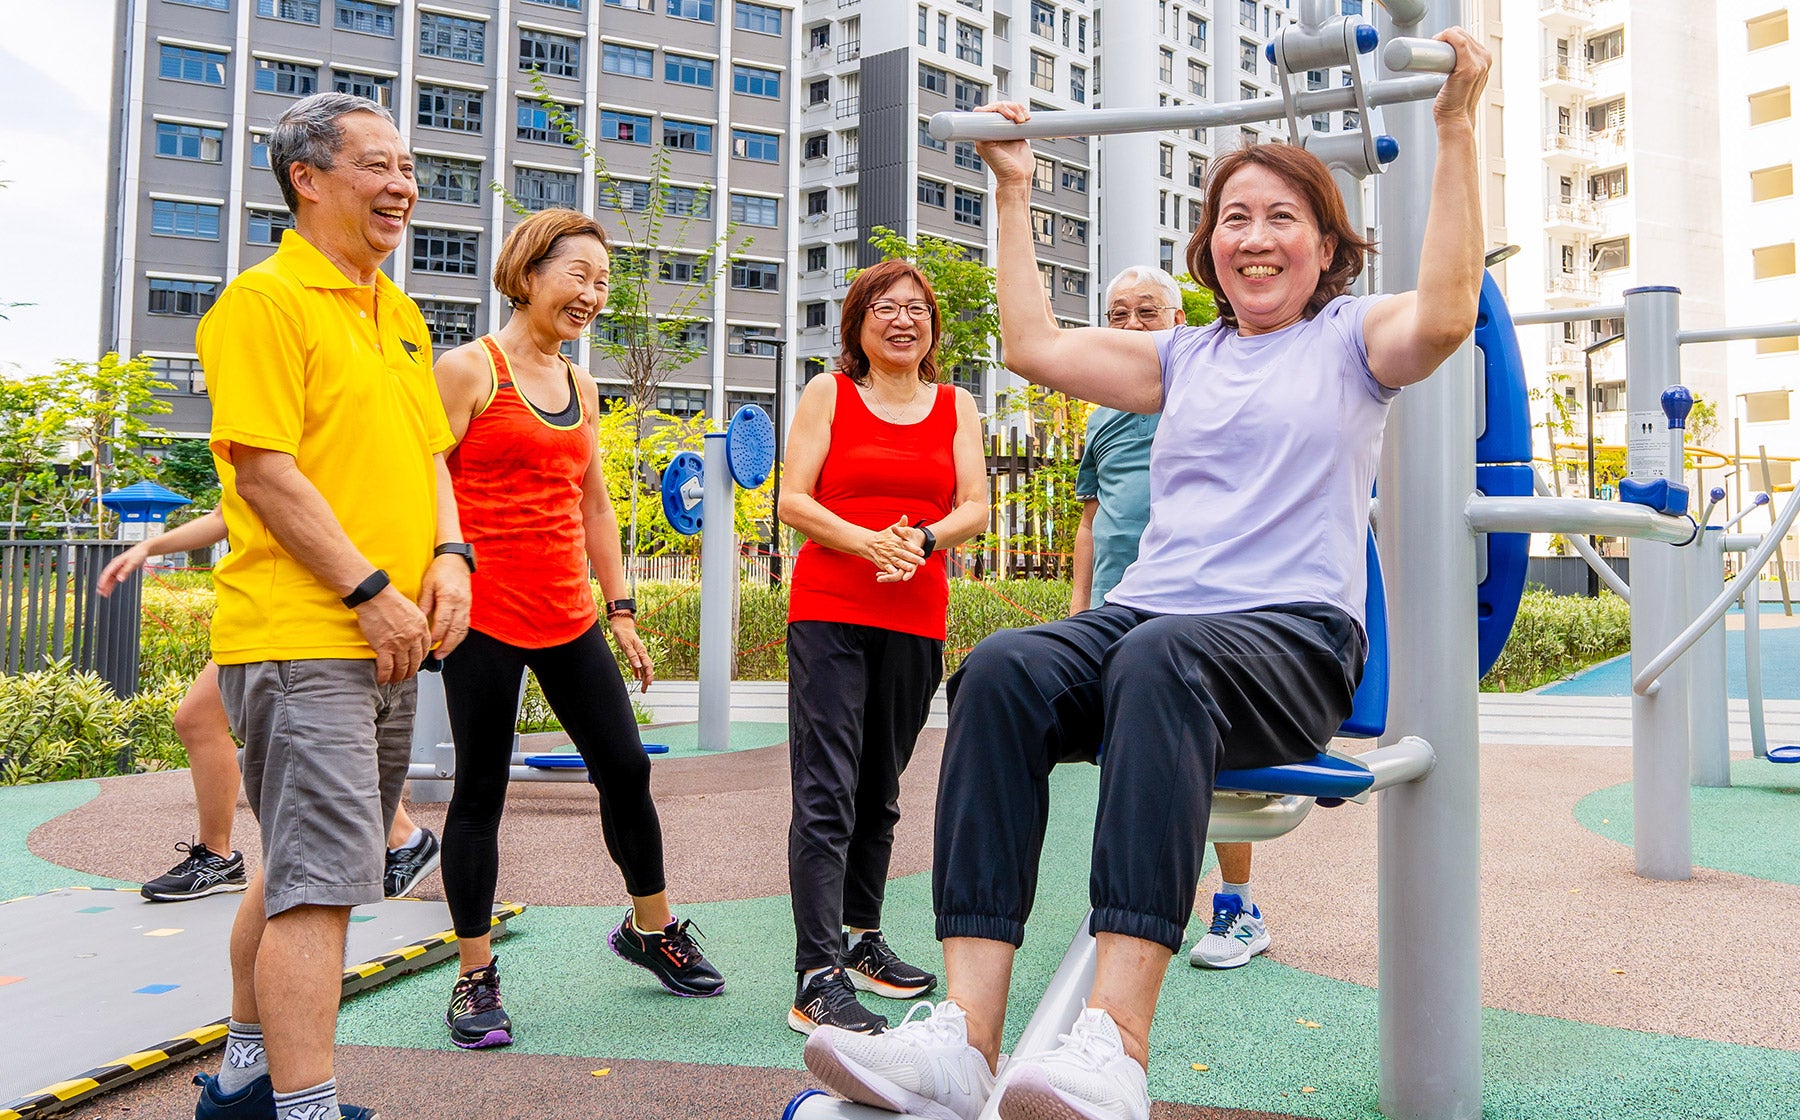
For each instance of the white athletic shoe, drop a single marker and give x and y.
(1088, 1077)
(1236, 935)
(923, 1067)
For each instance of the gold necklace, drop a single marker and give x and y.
(893, 419)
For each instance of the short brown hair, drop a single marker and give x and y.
(1304, 172)
(870, 284)
(535, 240)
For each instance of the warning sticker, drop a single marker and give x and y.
(1647, 444)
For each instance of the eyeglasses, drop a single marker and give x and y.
(1119, 316)
(886, 310)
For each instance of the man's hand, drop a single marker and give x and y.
(121, 568)
(1011, 161)
(398, 632)
(444, 599)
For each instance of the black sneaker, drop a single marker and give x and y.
(873, 967)
(252, 1102)
(476, 1019)
(672, 955)
(406, 866)
(829, 1000)
(203, 872)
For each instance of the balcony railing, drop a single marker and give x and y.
(1574, 9)
(1571, 213)
(844, 219)
(1569, 144)
(1574, 285)
(847, 107)
(849, 52)
(1568, 71)
(845, 164)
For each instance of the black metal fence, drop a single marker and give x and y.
(51, 610)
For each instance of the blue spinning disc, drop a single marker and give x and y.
(683, 509)
(1784, 754)
(555, 762)
(750, 446)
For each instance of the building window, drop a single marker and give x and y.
(295, 11)
(687, 201)
(966, 158)
(1772, 260)
(676, 268)
(931, 193)
(1078, 84)
(1165, 66)
(189, 141)
(1196, 176)
(1047, 277)
(750, 340)
(754, 81)
(560, 55)
(762, 147)
(286, 79)
(686, 71)
(819, 92)
(189, 299)
(1074, 281)
(968, 43)
(633, 5)
(701, 10)
(927, 140)
(626, 195)
(1074, 230)
(190, 64)
(1771, 182)
(537, 120)
(1607, 256)
(969, 95)
(259, 150)
(451, 108)
(182, 373)
(626, 128)
(1606, 46)
(759, 18)
(374, 87)
(1607, 185)
(1165, 161)
(365, 16)
(442, 179)
(756, 276)
(1196, 78)
(1043, 226)
(816, 259)
(933, 80)
(815, 315)
(1074, 179)
(819, 37)
(450, 324)
(1043, 173)
(1043, 19)
(816, 146)
(1165, 256)
(1196, 32)
(968, 207)
(687, 136)
(453, 251)
(266, 226)
(453, 37)
(538, 188)
(169, 218)
(818, 202)
(1769, 105)
(1246, 56)
(572, 5)
(1766, 30)
(755, 210)
(1043, 71)
(943, 36)
(679, 401)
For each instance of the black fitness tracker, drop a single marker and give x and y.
(456, 548)
(367, 589)
(930, 538)
(621, 606)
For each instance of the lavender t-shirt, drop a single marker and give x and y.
(1262, 468)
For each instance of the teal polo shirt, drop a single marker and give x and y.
(1115, 468)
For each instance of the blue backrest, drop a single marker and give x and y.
(1368, 708)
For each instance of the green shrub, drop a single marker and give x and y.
(57, 724)
(1556, 635)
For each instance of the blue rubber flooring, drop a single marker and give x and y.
(1780, 667)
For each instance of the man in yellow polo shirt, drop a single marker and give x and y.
(346, 569)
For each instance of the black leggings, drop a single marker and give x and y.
(581, 681)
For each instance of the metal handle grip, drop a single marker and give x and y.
(1430, 56)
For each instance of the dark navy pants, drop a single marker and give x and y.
(1175, 699)
(857, 698)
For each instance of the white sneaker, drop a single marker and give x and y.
(1236, 935)
(1088, 1077)
(923, 1067)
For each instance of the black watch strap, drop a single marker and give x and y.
(456, 548)
(367, 589)
(930, 537)
(621, 606)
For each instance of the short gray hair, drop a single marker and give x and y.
(309, 133)
(1145, 274)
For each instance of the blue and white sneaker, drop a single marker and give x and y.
(1236, 935)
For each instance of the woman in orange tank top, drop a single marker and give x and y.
(532, 500)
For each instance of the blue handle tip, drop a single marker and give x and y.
(1387, 149)
(1366, 38)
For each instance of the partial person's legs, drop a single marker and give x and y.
(1237, 932)
(205, 733)
(300, 970)
(1234, 868)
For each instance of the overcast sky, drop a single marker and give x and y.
(53, 155)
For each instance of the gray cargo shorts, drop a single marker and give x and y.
(325, 757)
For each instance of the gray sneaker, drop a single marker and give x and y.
(203, 872)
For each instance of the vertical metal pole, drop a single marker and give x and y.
(718, 575)
(1759, 741)
(431, 726)
(781, 388)
(1430, 944)
(1709, 717)
(1659, 722)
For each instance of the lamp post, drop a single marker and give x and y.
(1587, 360)
(779, 349)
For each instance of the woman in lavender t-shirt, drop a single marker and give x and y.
(1235, 639)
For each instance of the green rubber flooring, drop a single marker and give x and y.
(1750, 828)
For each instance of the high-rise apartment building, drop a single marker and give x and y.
(199, 82)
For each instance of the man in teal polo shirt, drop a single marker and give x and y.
(1113, 483)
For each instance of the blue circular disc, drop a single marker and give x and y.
(685, 468)
(555, 762)
(1784, 754)
(750, 446)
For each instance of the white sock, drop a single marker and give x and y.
(807, 976)
(1242, 890)
(244, 1058)
(853, 937)
(308, 1104)
(418, 834)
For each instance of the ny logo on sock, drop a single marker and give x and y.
(314, 1111)
(243, 1055)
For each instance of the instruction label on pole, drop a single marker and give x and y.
(1647, 445)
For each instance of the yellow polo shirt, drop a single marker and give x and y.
(301, 359)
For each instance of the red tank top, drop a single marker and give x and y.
(518, 492)
(875, 472)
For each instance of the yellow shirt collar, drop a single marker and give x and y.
(302, 260)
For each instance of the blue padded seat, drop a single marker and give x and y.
(1325, 777)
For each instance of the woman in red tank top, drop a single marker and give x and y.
(532, 501)
(884, 469)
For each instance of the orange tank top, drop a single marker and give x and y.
(517, 474)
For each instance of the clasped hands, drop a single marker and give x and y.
(897, 551)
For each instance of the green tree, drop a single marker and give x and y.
(186, 467)
(965, 290)
(30, 442)
(665, 436)
(1196, 302)
(103, 408)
